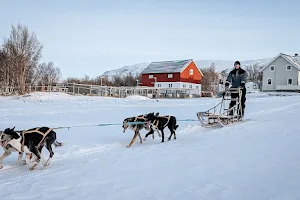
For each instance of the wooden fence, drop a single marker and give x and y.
(108, 91)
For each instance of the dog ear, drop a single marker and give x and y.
(13, 128)
(157, 114)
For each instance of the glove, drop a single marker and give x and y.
(242, 85)
(226, 85)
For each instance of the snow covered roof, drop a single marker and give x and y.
(294, 60)
(167, 66)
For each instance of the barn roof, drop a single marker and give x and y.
(167, 66)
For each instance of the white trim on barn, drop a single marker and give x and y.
(189, 64)
(196, 88)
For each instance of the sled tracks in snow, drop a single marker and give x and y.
(72, 154)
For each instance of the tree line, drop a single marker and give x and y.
(117, 80)
(20, 55)
(20, 65)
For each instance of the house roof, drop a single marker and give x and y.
(174, 66)
(294, 60)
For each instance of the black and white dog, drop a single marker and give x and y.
(30, 142)
(8, 149)
(160, 122)
(137, 127)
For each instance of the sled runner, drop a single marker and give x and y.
(221, 115)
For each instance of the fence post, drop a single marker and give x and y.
(73, 88)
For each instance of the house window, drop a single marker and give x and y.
(288, 68)
(170, 85)
(191, 86)
(290, 81)
(197, 87)
(272, 68)
(191, 72)
(184, 85)
(269, 81)
(170, 75)
(150, 76)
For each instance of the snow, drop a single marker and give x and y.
(255, 159)
(252, 87)
(137, 97)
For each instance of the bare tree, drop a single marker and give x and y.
(210, 80)
(23, 52)
(253, 74)
(100, 80)
(46, 73)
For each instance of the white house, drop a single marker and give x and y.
(282, 73)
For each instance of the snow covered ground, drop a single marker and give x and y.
(258, 159)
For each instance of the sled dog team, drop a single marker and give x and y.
(32, 141)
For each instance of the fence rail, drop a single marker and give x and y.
(108, 91)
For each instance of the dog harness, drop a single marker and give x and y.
(156, 122)
(34, 131)
(136, 118)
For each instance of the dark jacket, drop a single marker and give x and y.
(236, 77)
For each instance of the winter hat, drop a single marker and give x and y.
(237, 63)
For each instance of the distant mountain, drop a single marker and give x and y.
(133, 69)
(219, 64)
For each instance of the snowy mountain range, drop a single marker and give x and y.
(219, 64)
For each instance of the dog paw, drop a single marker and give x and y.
(22, 162)
(45, 165)
(34, 165)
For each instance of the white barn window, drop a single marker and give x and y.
(170, 75)
(150, 76)
(191, 72)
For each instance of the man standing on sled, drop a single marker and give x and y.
(237, 77)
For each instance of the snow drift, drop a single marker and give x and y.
(256, 159)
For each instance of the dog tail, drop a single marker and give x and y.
(58, 144)
(176, 126)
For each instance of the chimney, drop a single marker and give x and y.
(296, 54)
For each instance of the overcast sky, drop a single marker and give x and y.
(90, 37)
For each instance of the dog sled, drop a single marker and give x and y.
(221, 114)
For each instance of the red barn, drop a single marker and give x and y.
(173, 74)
